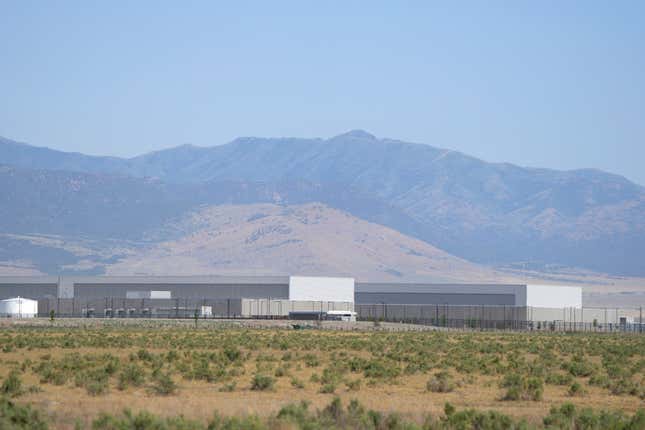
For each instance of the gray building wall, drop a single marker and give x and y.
(440, 294)
(30, 291)
(438, 313)
(31, 287)
(435, 298)
(185, 290)
(191, 287)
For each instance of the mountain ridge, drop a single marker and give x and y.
(489, 213)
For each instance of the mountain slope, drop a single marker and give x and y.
(490, 213)
(308, 239)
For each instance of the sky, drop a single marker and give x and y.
(550, 84)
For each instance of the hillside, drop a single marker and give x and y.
(490, 213)
(310, 239)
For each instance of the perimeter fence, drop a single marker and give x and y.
(462, 317)
(470, 317)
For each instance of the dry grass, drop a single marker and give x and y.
(198, 399)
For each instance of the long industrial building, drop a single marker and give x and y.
(279, 295)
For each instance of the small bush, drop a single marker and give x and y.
(297, 383)
(16, 417)
(575, 390)
(262, 383)
(521, 388)
(228, 388)
(328, 388)
(569, 417)
(163, 385)
(144, 421)
(381, 369)
(232, 354)
(12, 386)
(97, 387)
(534, 389)
(311, 360)
(132, 374)
(559, 379)
(280, 372)
(441, 383)
(578, 366)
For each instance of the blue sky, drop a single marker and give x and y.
(550, 83)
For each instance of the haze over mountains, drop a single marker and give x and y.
(488, 213)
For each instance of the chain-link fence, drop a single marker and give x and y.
(469, 317)
(466, 317)
(118, 307)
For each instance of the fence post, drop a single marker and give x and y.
(481, 317)
(504, 317)
(640, 320)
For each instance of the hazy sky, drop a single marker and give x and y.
(556, 84)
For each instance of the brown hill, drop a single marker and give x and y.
(308, 239)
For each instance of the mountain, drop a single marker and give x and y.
(489, 213)
(33, 157)
(310, 239)
(100, 206)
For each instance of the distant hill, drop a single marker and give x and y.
(489, 213)
(310, 239)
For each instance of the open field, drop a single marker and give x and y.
(72, 372)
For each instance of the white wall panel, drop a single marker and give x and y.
(316, 288)
(553, 296)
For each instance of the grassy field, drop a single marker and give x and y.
(73, 376)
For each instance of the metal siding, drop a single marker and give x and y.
(32, 291)
(209, 291)
(435, 298)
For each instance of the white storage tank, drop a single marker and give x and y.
(18, 307)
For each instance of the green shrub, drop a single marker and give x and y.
(228, 388)
(329, 388)
(297, 383)
(131, 375)
(484, 420)
(232, 354)
(12, 385)
(441, 382)
(534, 388)
(163, 385)
(144, 355)
(311, 360)
(96, 387)
(280, 372)
(578, 366)
(575, 389)
(568, 416)
(16, 417)
(144, 421)
(559, 379)
(513, 393)
(330, 376)
(522, 388)
(381, 369)
(95, 381)
(262, 382)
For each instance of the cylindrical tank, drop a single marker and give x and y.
(18, 307)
